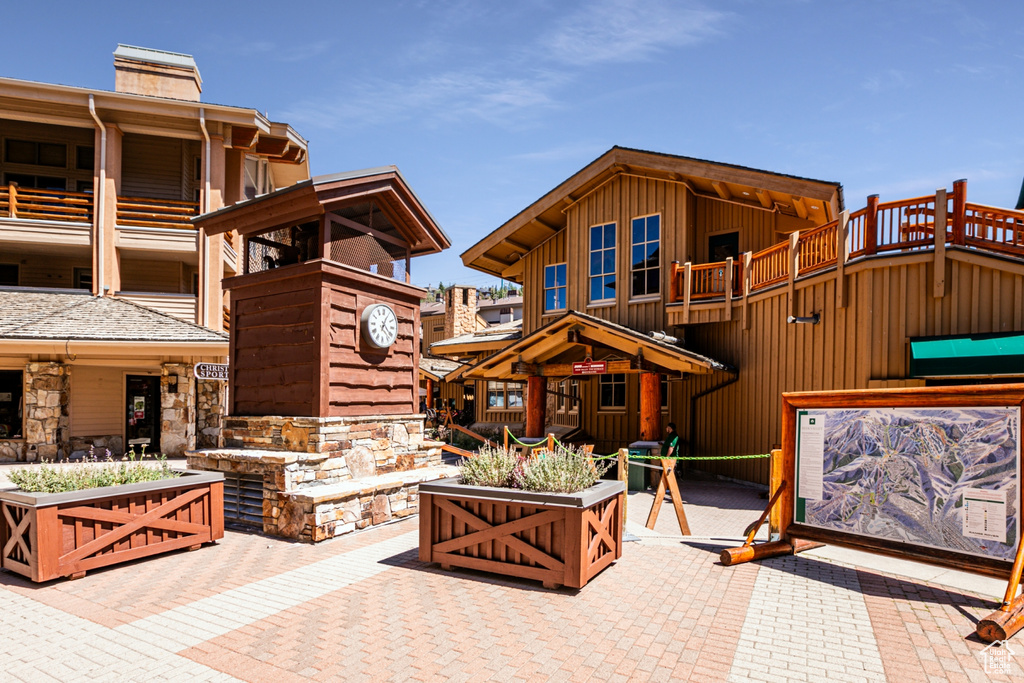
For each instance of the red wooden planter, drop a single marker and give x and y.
(559, 539)
(49, 535)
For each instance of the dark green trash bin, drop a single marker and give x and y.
(637, 473)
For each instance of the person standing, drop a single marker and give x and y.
(670, 446)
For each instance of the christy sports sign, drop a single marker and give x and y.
(214, 371)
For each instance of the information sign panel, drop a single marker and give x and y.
(590, 367)
(945, 478)
(214, 371)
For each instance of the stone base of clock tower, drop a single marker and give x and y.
(321, 477)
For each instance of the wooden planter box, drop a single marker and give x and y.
(559, 539)
(50, 535)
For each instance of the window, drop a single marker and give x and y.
(613, 390)
(646, 261)
(504, 396)
(602, 262)
(568, 400)
(8, 274)
(85, 157)
(36, 153)
(12, 388)
(723, 246)
(37, 182)
(83, 278)
(554, 287)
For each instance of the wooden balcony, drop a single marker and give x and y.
(45, 205)
(143, 212)
(698, 291)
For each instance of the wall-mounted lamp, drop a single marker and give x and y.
(812, 319)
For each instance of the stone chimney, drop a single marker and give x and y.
(459, 311)
(144, 71)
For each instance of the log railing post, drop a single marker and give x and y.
(960, 212)
(624, 478)
(728, 288)
(12, 207)
(748, 258)
(687, 286)
(794, 270)
(871, 226)
(673, 290)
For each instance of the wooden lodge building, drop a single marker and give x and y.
(109, 295)
(660, 287)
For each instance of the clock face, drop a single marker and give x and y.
(380, 325)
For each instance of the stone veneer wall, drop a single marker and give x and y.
(47, 394)
(459, 318)
(177, 409)
(323, 477)
(211, 406)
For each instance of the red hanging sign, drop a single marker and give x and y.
(590, 367)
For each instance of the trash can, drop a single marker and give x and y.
(641, 477)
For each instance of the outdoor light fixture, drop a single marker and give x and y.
(812, 319)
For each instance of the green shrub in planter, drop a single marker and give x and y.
(567, 470)
(90, 474)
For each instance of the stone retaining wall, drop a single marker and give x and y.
(47, 394)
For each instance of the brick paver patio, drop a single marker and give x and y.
(364, 608)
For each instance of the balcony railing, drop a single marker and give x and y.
(906, 225)
(144, 212)
(45, 205)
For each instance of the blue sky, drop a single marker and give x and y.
(485, 106)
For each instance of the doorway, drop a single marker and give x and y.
(142, 424)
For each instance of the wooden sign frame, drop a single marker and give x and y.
(784, 467)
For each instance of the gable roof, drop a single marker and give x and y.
(753, 187)
(59, 316)
(486, 339)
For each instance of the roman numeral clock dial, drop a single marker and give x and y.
(380, 325)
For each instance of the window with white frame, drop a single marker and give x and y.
(554, 288)
(646, 259)
(504, 396)
(613, 391)
(602, 263)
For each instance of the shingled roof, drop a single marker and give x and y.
(37, 315)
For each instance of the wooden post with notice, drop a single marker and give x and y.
(960, 212)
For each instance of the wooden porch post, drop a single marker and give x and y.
(430, 392)
(650, 406)
(871, 226)
(960, 212)
(536, 404)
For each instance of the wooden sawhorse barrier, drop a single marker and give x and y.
(668, 478)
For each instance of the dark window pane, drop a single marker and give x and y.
(19, 152)
(609, 287)
(653, 228)
(609, 235)
(652, 255)
(9, 274)
(620, 395)
(638, 283)
(608, 261)
(44, 183)
(549, 276)
(52, 154)
(85, 158)
(549, 300)
(607, 395)
(595, 289)
(638, 256)
(654, 281)
(560, 275)
(638, 230)
(595, 237)
(561, 298)
(595, 263)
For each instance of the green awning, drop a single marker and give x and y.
(979, 355)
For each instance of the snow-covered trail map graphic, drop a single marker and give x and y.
(938, 477)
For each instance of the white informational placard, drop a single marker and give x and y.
(811, 456)
(985, 514)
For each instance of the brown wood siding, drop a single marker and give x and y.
(40, 271)
(97, 401)
(889, 301)
(430, 335)
(152, 167)
(621, 200)
(756, 228)
(274, 362)
(171, 277)
(364, 380)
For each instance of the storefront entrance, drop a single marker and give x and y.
(142, 424)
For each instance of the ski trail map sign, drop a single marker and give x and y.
(944, 478)
(930, 473)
